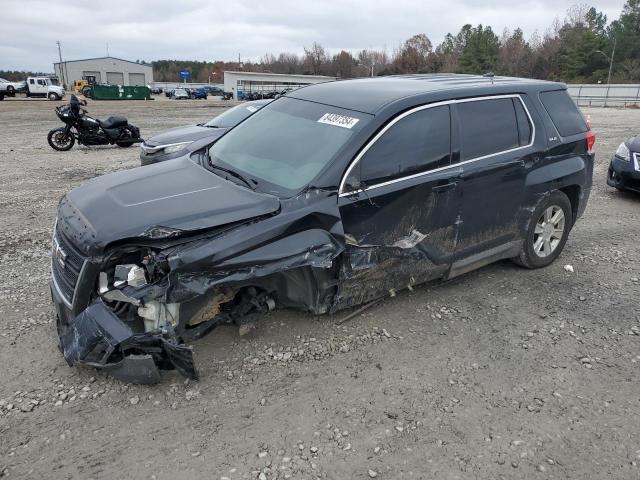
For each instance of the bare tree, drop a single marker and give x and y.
(514, 55)
(413, 55)
(372, 61)
(315, 58)
(343, 64)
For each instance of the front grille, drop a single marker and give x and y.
(66, 264)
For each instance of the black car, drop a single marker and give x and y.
(624, 169)
(181, 141)
(334, 195)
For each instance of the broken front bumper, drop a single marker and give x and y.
(98, 337)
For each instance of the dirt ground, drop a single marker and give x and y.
(501, 373)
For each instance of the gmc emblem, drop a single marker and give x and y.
(59, 255)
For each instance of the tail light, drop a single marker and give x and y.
(591, 141)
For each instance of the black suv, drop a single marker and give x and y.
(332, 196)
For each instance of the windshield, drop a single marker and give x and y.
(287, 143)
(233, 116)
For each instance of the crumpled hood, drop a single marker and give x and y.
(177, 194)
(184, 134)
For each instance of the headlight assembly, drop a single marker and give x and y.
(623, 152)
(175, 147)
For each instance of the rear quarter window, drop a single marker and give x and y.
(563, 112)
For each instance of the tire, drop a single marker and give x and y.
(11, 90)
(53, 97)
(548, 231)
(58, 141)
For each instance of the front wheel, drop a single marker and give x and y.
(548, 232)
(60, 139)
(52, 96)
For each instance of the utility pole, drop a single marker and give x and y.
(60, 57)
(613, 52)
(610, 58)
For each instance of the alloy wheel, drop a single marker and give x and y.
(548, 231)
(61, 139)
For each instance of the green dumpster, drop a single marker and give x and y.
(119, 92)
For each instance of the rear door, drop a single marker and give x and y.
(399, 204)
(496, 136)
(39, 86)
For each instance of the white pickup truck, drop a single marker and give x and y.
(33, 87)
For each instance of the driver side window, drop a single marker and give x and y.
(417, 143)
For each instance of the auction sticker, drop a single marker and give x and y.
(338, 120)
(252, 109)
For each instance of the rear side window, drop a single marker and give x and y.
(563, 112)
(487, 127)
(417, 143)
(524, 125)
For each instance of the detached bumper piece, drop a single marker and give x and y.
(97, 337)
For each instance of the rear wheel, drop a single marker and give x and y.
(61, 140)
(548, 231)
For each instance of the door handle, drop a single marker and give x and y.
(444, 188)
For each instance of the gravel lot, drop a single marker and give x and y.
(501, 373)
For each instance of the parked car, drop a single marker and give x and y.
(156, 90)
(624, 169)
(10, 88)
(180, 141)
(180, 94)
(199, 93)
(334, 195)
(215, 91)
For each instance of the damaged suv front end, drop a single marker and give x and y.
(146, 260)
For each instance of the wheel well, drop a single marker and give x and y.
(573, 192)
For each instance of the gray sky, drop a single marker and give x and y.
(219, 30)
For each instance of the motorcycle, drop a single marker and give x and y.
(90, 131)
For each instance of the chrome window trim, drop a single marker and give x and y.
(342, 193)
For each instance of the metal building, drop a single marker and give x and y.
(242, 83)
(106, 70)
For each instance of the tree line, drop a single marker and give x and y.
(575, 49)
